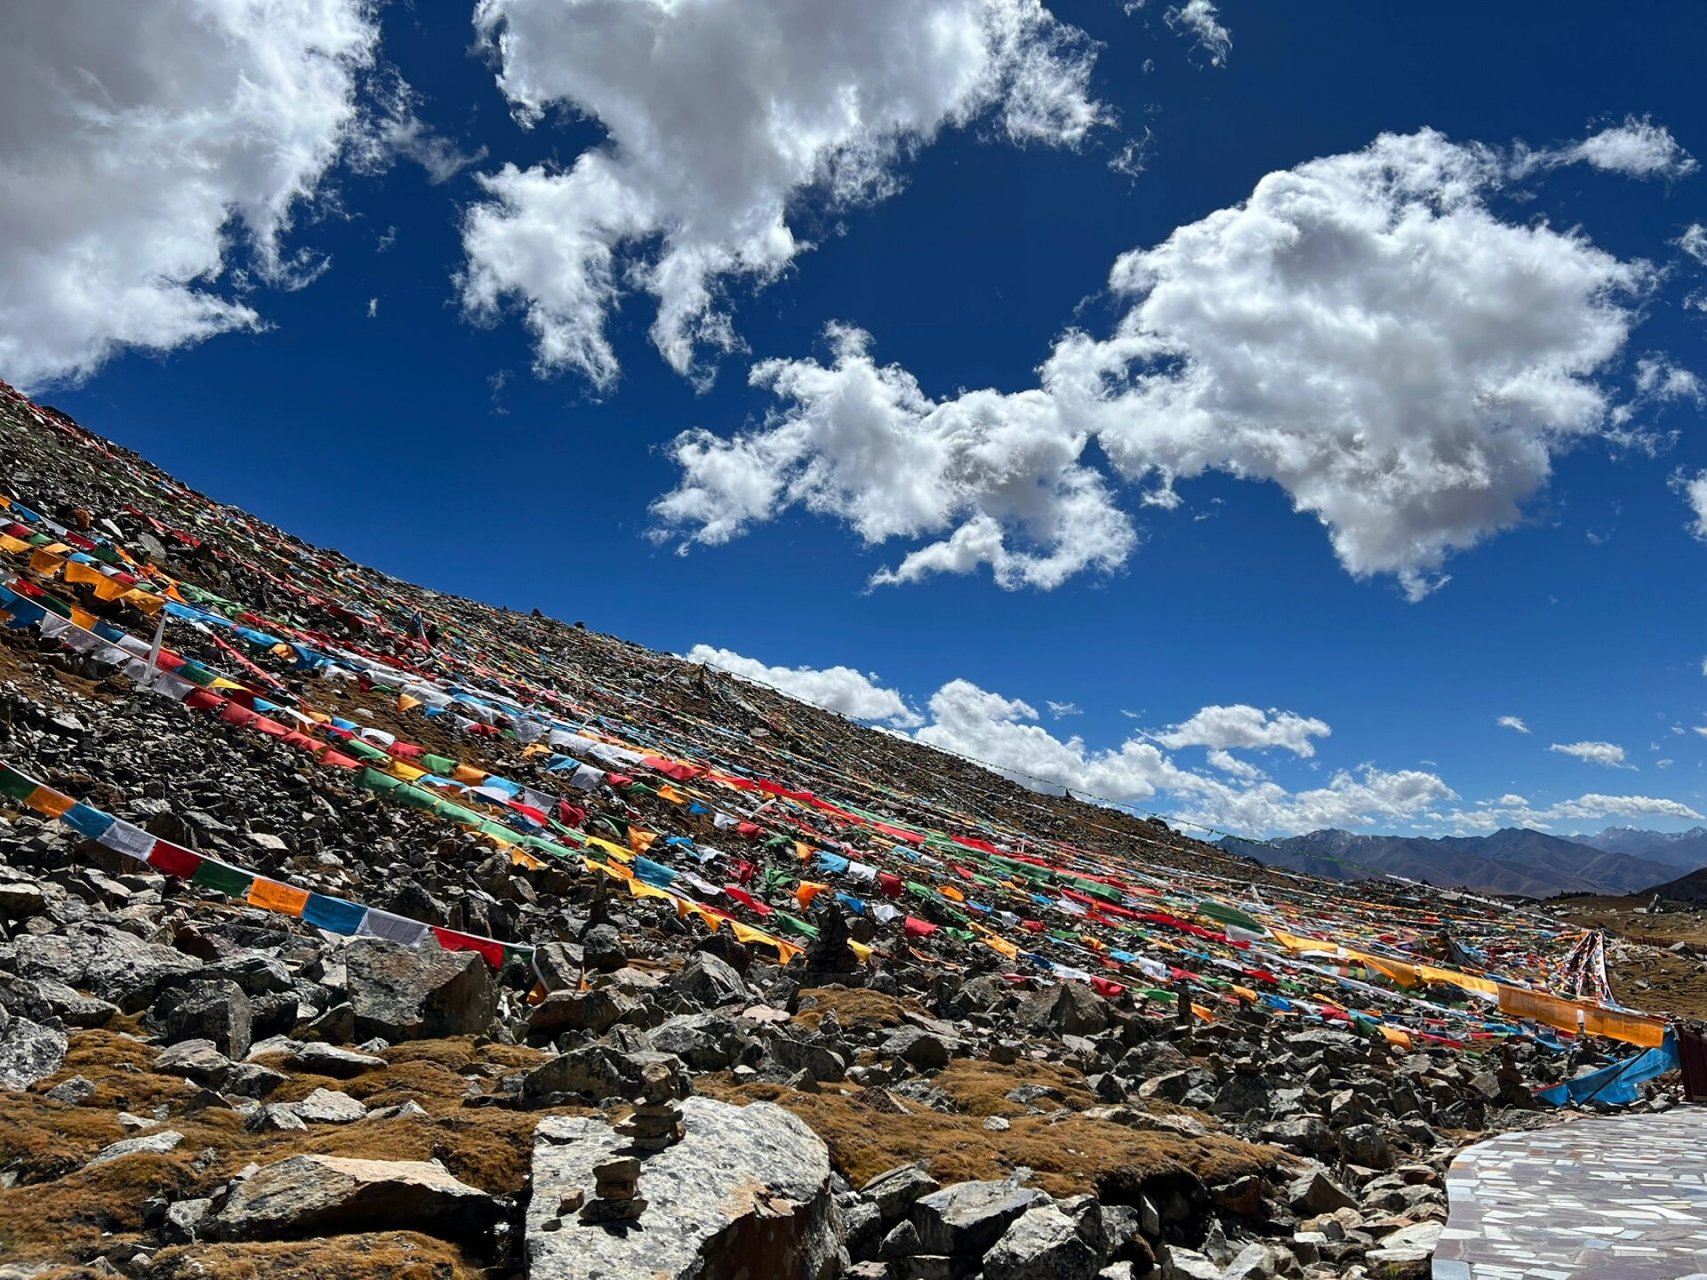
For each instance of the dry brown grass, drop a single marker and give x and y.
(1066, 1154)
(59, 1212)
(389, 1255)
(855, 1007)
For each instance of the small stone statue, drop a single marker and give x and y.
(616, 1186)
(657, 1119)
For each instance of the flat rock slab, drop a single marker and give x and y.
(1619, 1197)
(746, 1193)
(318, 1195)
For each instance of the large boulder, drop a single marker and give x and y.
(320, 1195)
(399, 993)
(213, 1009)
(710, 981)
(28, 1051)
(969, 1217)
(745, 1193)
(1042, 1244)
(114, 965)
(596, 1072)
(1067, 1009)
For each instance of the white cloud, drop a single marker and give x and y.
(996, 473)
(1584, 808)
(1694, 242)
(1227, 762)
(1363, 331)
(1060, 709)
(1510, 801)
(372, 308)
(840, 689)
(134, 140)
(1636, 148)
(1609, 754)
(1702, 730)
(1694, 490)
(1659, 379)
(719, 116)
(1240, 725)
(1002, 733)
(1513, 722)
(1664, 764)
(1200, 20)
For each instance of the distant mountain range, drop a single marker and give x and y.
(1515, 860)
(1685, 850)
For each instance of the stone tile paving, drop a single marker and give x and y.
(1615, 1198)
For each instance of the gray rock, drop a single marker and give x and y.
(800, 1055)
(710, 981)
(198, 1060)
(328, 1106)
(112, 964)
(895, 1191)
(1042, 1244)
(275, 1117)
(320, 1195)
(601, 948)
(746, 1192)
(402, 994)
(73, 1092)
(74, 1008)
(596, 1011)
(1315, 1192)
(183, 1221)
(917, 1048)
(28, 1051)
(597, 1072)
(1070, 1009)
(968, 1217)
(330, 1060)
(705, 1041)
(1364, 1144)
(1306, 1133)
(212, 1009)
(159, 1143)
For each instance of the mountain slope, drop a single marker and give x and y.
(1515, 860)
(1685, 850)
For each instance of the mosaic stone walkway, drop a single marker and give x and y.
(1615, 1198)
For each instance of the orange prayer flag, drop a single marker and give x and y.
(270, 895)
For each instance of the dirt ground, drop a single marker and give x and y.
(1649, 976)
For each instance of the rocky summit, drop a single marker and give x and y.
(352, 929)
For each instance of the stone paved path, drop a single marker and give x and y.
(1615, 1198)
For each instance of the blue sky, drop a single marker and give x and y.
(1468, 354)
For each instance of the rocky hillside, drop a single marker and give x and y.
(1516, 860)
(351, 929)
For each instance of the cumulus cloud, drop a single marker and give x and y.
(1514, 811)
(1694, 491)
(1636, 148)
(1609, 754)
(1659, 379)
(139, 145)
(718, 117)
(1002, 733)
(840, 689)
(1364, 331)
(1246, 726)
(1202, 22)
(1513, 722)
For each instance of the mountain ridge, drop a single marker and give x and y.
(1512, 860)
